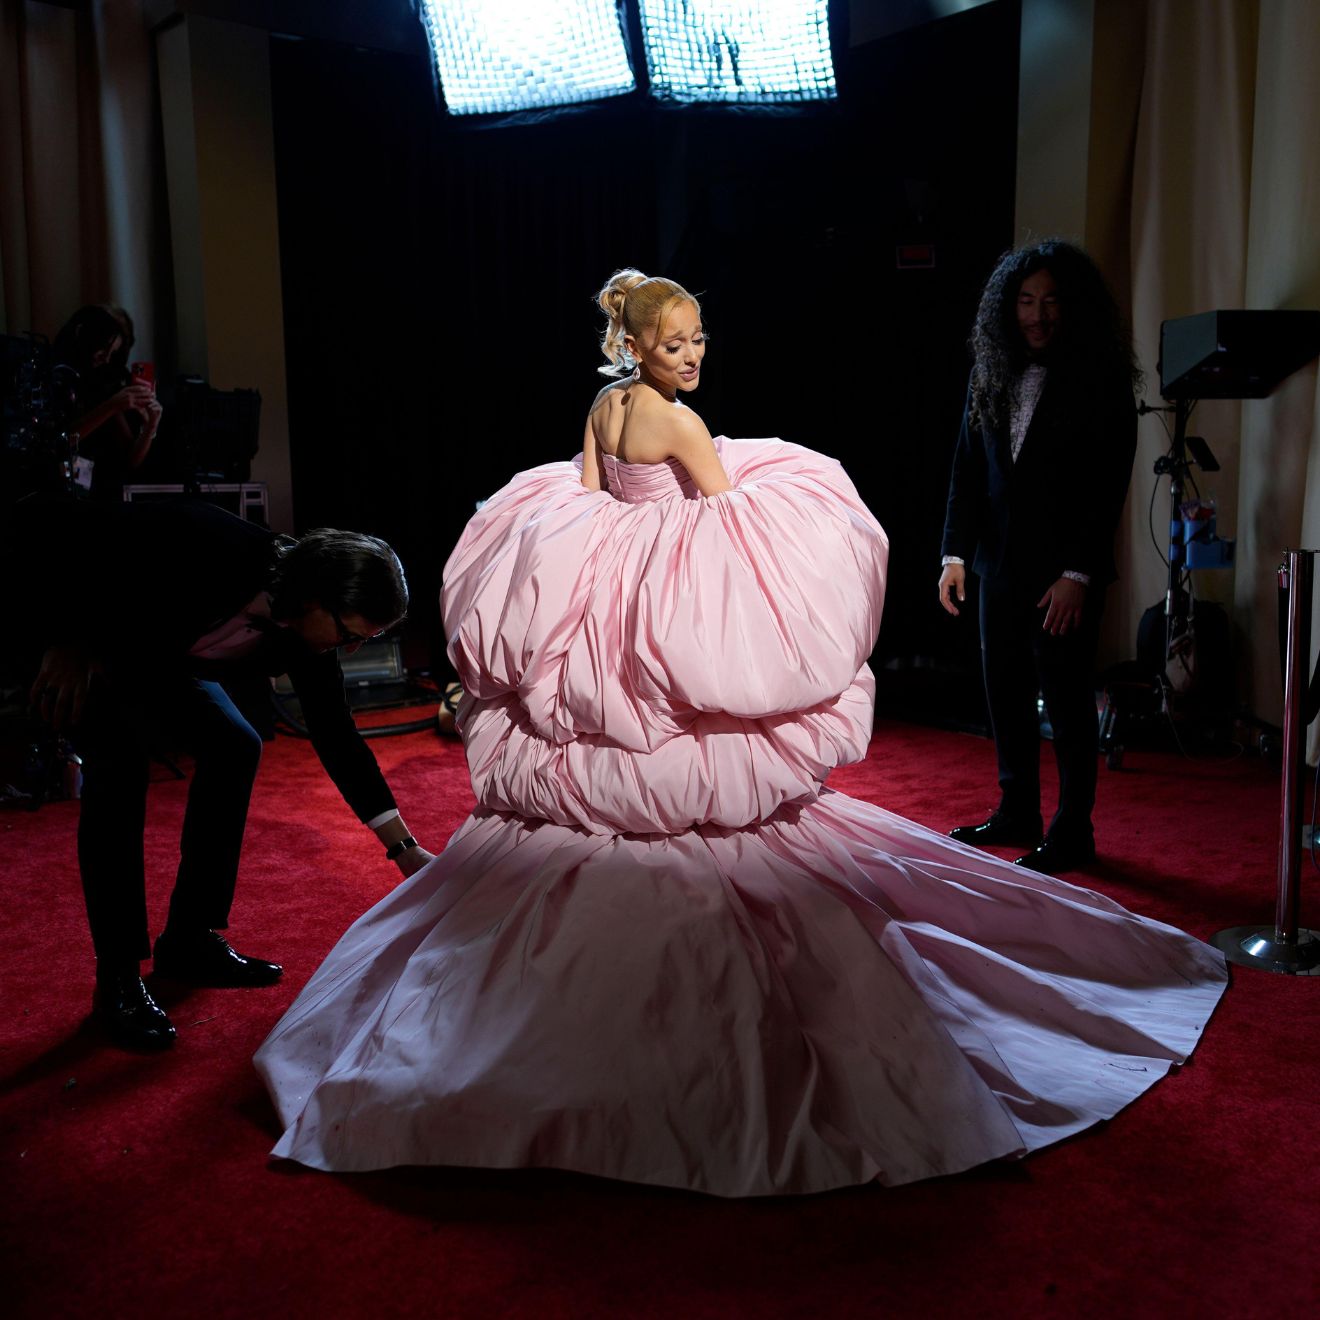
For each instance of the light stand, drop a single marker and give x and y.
(1285, 947)
(1244, 355)
(1178, 622)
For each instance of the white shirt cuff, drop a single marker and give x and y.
(1083, 578)
(377, 821)
(951, 559)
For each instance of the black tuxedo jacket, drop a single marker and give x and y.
(1056, 508)
(136, 585)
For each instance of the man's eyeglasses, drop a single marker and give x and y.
(347, 637)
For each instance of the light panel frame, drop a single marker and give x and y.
(750, 52)
(503, 56)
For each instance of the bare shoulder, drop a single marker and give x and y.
(658, 429)
(680, 426)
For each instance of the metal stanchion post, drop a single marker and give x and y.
(1284, 947)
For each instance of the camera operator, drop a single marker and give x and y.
(114, 413)
(135, 619)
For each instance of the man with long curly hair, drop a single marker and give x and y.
(1039, 477)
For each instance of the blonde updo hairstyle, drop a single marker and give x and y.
(637, 305)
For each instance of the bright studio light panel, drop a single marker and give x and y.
(739, 50)
(497, 56)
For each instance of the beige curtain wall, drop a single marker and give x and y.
(80, 211)
(1226, 213)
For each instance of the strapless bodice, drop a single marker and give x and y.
(643, 483)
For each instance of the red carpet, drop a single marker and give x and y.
(140, 1185)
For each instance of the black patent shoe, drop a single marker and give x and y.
(1056, 855)
(1000, 828)
(206, 958)
(129, 1015)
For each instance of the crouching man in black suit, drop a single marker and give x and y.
(1039, 477)
(134, 616)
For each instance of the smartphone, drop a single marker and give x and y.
(144, 371)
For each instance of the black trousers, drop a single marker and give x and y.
(1020, 659)
(119, 724)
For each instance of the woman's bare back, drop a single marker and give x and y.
(637, 424)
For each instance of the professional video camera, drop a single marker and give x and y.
(36, 451)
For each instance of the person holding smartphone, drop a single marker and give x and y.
(115, 412)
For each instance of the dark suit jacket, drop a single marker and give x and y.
(1055, 509)
(136, 585)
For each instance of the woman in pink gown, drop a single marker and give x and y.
(661, 949)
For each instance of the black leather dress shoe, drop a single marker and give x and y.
(999, 829)
(1055, 855)
(206, 958)
(133, 1020)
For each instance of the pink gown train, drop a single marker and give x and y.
(661, 950)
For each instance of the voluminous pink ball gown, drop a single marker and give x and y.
(661, 949)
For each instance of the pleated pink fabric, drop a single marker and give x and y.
(661, 949)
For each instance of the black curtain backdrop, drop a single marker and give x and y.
(438, 281)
